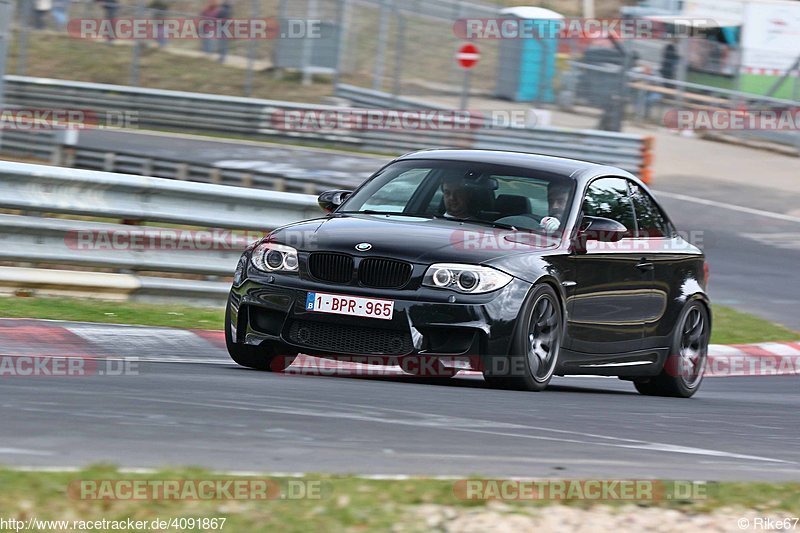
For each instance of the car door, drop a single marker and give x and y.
(608, 305)
(668, 255)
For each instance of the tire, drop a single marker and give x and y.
(264, 357)
(688, 353)
(535, 346)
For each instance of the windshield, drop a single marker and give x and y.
(500, 196)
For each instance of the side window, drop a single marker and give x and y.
(608, 197)
(649, 218)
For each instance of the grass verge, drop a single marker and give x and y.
(112, 312)
(735, 327)
(730, 326)
(338, 503)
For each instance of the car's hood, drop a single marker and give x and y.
(419, 240)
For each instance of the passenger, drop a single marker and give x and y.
(557, 205)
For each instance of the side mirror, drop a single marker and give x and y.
(599, 229)
(330, 200)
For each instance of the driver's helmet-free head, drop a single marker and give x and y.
(466, 195)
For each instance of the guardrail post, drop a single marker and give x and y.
(64, 142)
(108, 161)
(216, 175)
(279, 184)
(147, 167)
(182, 171)
(247, 180)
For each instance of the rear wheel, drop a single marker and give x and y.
(266, 357)
(686, 362)
(535, 347)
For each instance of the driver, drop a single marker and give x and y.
(458, 198)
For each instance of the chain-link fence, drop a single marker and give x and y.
(404, 48)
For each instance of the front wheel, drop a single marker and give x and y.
(264, 357)
(686, 361)
(535, 347)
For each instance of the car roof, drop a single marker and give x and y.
(563, 166)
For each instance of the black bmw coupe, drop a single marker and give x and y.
(517, 265)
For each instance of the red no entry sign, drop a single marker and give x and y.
(468, 55)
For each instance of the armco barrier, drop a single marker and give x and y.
(235, 116)
(49, 241)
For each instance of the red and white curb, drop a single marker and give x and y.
(52, 338)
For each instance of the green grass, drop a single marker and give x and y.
(730, 326)
(346, 503)
(113, 312)
(61, 57)
(735, 327)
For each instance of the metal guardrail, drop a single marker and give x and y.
(33, 144)
(193, 112)
(185, 170)
(369, 98)
(44, 240)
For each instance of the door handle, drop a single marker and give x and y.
(645, 266)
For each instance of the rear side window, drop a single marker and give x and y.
(649, 218)
(608, 198)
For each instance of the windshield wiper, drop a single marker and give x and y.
(388, 213)
(498, 225)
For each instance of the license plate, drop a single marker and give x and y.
(339, 304)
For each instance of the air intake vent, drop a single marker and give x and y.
(355, 340)
(335, 268)
(384, 273)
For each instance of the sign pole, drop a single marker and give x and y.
(465, 88)
(6, 11)
(467, 57)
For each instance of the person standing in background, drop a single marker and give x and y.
(207, 38)
(225, 12)
(110, 11)
(669, 61)
(158, 10)
(61, 13)
(41, 9)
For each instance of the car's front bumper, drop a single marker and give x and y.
(426, 321)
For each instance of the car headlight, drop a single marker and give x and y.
(274, 257)
(239, 273)
(471, 279)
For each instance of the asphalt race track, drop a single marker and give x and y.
(753, 253)
(200, 409)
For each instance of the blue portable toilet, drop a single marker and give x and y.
(527, 65)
